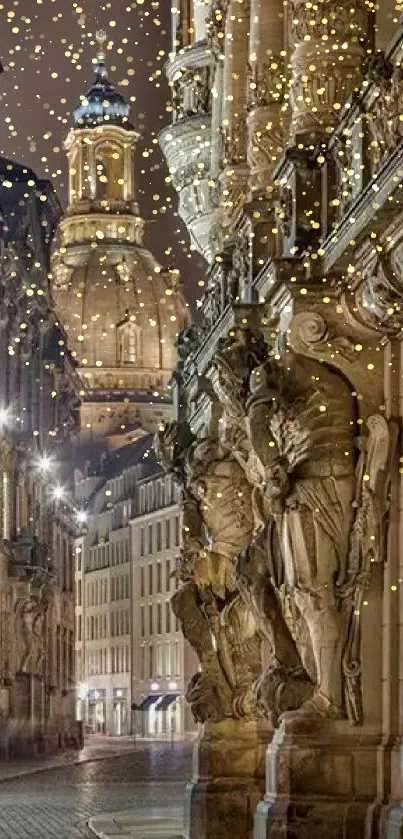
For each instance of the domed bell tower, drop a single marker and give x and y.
(100, 150)
(122, 311)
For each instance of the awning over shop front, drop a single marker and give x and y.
(149, 700)
(166, 701)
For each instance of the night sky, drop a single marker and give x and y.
(47, 47)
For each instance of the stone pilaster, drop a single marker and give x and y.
(234, 175)
(266, 87)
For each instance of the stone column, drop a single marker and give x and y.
(329, 41)
(234, 176)
(266, 85)
(200, 12)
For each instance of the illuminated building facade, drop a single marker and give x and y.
(38, 417)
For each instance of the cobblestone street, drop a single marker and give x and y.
(57, 803)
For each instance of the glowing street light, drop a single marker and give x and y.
(58, 493)
(44, 464)
(82, 516)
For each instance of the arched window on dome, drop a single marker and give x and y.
(109, 165)
(130, 343)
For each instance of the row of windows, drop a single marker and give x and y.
(151, 578)
(99, 662)
(120, 623)
(160, 661)
(156, 622)
(112, 553)
(120, 587)
(96, 592)
(156, 538)
(96, 627)
(158, 493)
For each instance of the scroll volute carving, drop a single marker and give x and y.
(338, 342)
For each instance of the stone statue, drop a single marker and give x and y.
(291, 424)
(30, 615)
(301, 424)
(218, 524)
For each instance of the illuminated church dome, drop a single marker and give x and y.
(121, 311)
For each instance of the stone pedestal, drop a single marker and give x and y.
(322, 782)
(228, 780)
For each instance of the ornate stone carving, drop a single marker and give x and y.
(367, 545)
(192, 92)
(326, 20)
(30, 614)
(215, 25)
(234, 141)
(267, 82)
(310, 332)
(318, 89)
(379, 298)
(385, 125)
(265, 146)
(218, 524)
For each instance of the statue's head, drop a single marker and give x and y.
(234, 361)
(171, 444)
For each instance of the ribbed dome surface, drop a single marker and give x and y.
(119, 308)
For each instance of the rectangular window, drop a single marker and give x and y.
(150, 661)
(167, 617)
(143, 622)
(142, 542)
(159, 618)
(167, 533)
(150, 620)
(150, 579)
(159, 536)
(142, 662)
(127, 594)
(167, 660)
(159, 661)
(79, 593)
(150, 538)
(168, 575)
(159, 578)
(142, 582)
(177, 659)
(177, 531)
(113, 588)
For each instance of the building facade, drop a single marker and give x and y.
(163, 661)
(286, 151)
(39, 415)
(131, 658)
(122, 312)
